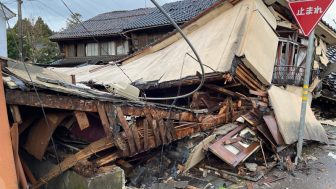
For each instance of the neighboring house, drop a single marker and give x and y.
(114, 35)
(292, 49)
(5, 14)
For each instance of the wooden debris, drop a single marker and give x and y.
(103, 118)
(273, 128)
(107, 159)
(71, 160)
(15, 142)
(16, 114)
(163, 132)
(129, 134)
(82, 120)
(27, 122)
(40, 134)
(17, 97)
(197, 154)
(136, 136)
(28, 173)
(234, 153)
(145, 124)
(221, 90)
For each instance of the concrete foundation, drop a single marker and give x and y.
(113, 177)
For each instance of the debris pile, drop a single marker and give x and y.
(238, 126)
(230, 119)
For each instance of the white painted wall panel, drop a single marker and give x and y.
(3, 38)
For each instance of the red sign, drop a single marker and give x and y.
(309, 12)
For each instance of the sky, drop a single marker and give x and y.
(54, 13)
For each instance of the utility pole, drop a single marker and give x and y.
(305, 93)
(20, 30)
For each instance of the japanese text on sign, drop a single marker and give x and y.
(309, 10)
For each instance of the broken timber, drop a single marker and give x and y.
(70, 161)
(16, 97)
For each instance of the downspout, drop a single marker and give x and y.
(8, 178)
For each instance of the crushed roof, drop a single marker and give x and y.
(115, 22)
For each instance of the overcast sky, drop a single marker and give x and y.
(55, 13)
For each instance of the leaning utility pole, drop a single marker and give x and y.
(20, 30)
(309, 61)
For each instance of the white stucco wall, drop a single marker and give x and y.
(3, 37)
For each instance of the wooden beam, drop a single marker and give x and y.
(220, 90)
(27, 122)
(19, 169)
(71, 160)
(146, 131)
(107, 159)
(159, 113)
(28, 173)
(40, 134)
(17, 97)
(82, 120)
(104, 119)
(16, 114)
(128, 131)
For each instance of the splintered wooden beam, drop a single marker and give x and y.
(127, 129)
(104, 118)
(158, 113)
(71, 160)
(17, 97)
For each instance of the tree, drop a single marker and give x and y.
(73, 20)
(36, 44)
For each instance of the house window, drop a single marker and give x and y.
(91, 49)
(122, 48)
(107, 48)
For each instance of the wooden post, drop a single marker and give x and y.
(8, 178)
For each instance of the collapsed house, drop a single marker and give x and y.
(93, 114)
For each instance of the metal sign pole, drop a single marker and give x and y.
(309, 61)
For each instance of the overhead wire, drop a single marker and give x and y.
(38, 97)
(192, 48)
(182, 34)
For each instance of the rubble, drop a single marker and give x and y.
(238, 126)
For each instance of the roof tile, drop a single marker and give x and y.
(113, 23)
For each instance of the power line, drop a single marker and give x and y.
(192, 48)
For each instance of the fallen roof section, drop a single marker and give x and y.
(287, 107)
(220, 35)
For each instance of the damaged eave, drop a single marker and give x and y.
(326, 33)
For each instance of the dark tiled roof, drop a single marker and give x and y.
(180, 11)
(113, 23)
(110, 23)
(331, 54)
(328, 25)
(86, 60)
